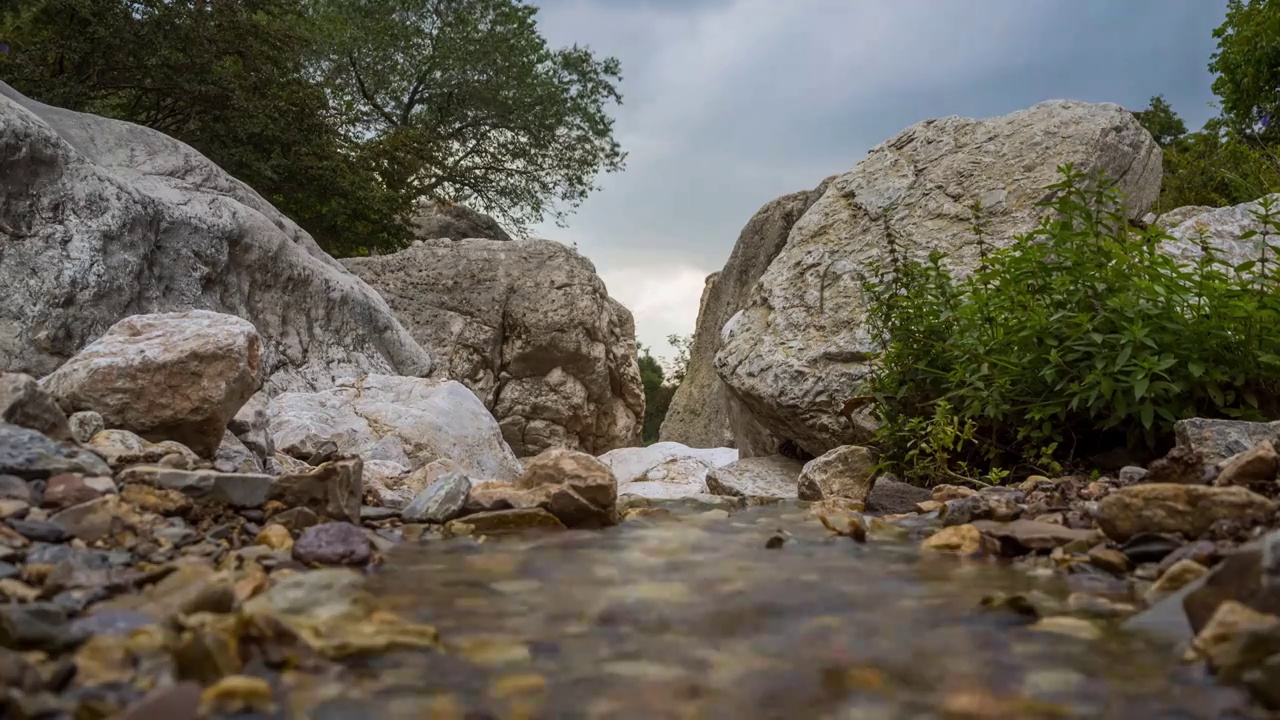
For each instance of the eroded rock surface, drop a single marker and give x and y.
(799, 351)
(530, 328)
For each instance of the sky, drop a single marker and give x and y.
(728, 104)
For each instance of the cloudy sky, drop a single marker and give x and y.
(730, 103)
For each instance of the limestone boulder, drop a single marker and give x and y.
(530, 328)
(104, 219)
(168, 376)
(1189, 510)
(702, 414)
(665, 470)
(1221, 228)
(1215, 440)
(799, 350)
(402, 420)
(847, 472)
(455, 222)
(774, 476)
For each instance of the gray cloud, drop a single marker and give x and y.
(729, 103)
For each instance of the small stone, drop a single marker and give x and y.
(39, 531)
(1021, 536)
(34, 626)
(25, 404)
(929, 506)
(1111, 560)
(1068, 626)
(172, 702)
(14, 488)
(233, 489)
(1181, 466)
(236, 694)
(1097, 607)
(1174, 579)
(845, 472)
(1150, 547)
(66, 490)
(1132, 474)
(370, 514)
(13, 509)
(1035, 482)
(1224, 641)
(334, 489)
(274, 536)
(1250, 576)
(176, 461)
(1253, 467)
(441, 502)
(961, 540)
(93, 520)
(121, 448)
(335, 543)
(1175, 508)
(156, 500)
(100, 485)
(193, 586)
(296, 519)
(503, 521)
(28, 454)
(1204, 552)
(943, 493)
(85, 424)
(18, 590)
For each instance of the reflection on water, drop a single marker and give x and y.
(691, 617)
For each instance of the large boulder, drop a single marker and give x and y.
(407, 421)
(168, 376)
(702, 413)
(1221, 228)
(102, 219)
(530, 328)
(799, 350)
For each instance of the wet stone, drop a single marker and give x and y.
(1113, 561)
(1180, 575)
(440, 502)
(336, 543)
(39, 531)
(34, 626)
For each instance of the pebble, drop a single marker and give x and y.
(34, 626)
(335, 543)
(39, 531)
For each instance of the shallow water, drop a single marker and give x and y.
(692, 617)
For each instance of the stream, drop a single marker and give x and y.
(690, 616)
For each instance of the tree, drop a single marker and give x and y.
(228, 78)
(678, 366)
(1161, 121)
(1247, 65)
(1216, 167)
(657, 394)
(463, 101)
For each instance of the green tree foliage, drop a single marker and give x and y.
(464, 101)
(657, 394)
(1247, 65)
(1161, 121)
(678, 366)
(344, 114)
(1080, 336)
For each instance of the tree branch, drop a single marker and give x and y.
(368, 96)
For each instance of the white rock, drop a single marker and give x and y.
(108, 219)
(665, 470)
(800, 350)
(402, 420)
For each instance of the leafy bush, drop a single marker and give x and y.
(1079, 336)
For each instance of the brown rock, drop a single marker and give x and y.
(66, 490)
(845, 472)
(296, 519)
(579, 490)
(172, 702)
(1176, 508)
(1109, 559)
(276, 537)
(1219, 641)
(1256, 466)
(943, 493)
(242, 490)
(121, 448)
(503, 521)
(334, 489)
(205, 365)
(1251, 576)
(1180, 575)
(961, 540)
(95, 519)
(1022, 536)
(160, 501)
(24, 403)
(192, 587)
(1181, 465)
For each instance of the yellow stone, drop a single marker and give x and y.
(236, 694)
(1179, 575)
(929, 506)
(18, 590)
(1069, 626)
(275, 536)
(522, 684)
(103, 660)
(958, 540)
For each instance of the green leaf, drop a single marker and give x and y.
(1148, 415)
(1195, 367)
(1140, 387)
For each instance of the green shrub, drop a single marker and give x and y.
(1078, 337)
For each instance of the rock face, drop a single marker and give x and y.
(1216, 440)
(403, 420)
(665, 470)
(799, 351)
(1220, 227)
(106, 219)
(702, 413)
(198, 366)
(529, 327)
(456, 222)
